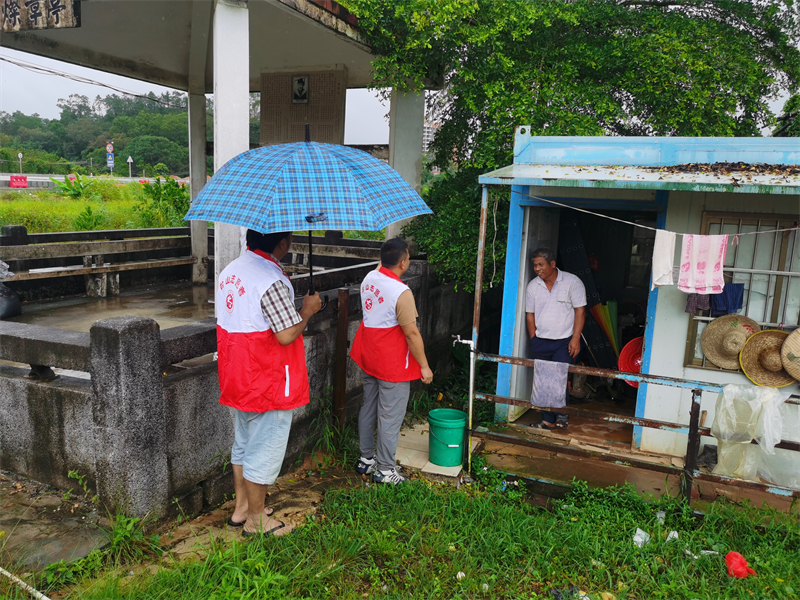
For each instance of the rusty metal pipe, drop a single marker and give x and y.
(592, 414)
(340, 377)
(692, 447)
(476, 316)
(623, 375)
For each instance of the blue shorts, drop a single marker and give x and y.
(260, 443)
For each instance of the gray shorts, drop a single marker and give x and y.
(260, 443)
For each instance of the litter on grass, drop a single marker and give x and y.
(640, 538)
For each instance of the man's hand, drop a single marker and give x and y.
(311, 304)
(574, 347)
(427, 375)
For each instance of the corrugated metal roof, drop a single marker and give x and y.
(648, 178)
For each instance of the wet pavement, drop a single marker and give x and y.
(40, 525)
(590, 429)
(170, 305)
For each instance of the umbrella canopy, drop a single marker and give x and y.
(306, 185)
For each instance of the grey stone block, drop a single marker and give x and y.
(218, 488)
(129, 415)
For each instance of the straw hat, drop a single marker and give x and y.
(724, 338)
(790, 354)
(761, 359)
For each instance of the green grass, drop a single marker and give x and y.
(46, 211)
(412, 541)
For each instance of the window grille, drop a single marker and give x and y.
(768, 264)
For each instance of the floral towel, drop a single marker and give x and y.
(702, 259)
(549, 384)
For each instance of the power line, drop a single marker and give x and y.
(40, 70)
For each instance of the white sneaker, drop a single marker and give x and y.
(392, 476)
(365, 466)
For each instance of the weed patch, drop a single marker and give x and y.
(422, 540)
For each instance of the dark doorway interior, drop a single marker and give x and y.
(614, 260)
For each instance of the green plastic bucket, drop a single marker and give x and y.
(447, 427)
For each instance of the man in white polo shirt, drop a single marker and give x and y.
(555, 313)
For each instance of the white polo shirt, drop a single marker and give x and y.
(555, 309)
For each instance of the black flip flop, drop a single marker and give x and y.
(247, 534)
(541, 425)
(232, 523)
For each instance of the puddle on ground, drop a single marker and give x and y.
(40, 525)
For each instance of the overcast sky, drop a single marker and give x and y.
(30, 93)
(23, 90)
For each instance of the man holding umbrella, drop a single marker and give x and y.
(262, 370)
(389, 349)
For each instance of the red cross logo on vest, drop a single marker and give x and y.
(229, 302)
(368, 304)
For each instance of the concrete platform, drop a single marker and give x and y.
(412, 453)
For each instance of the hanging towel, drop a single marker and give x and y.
(702, 259)
(663, 258)
(549, 384)
(729, 301)
(697, 302)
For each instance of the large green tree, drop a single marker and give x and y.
(582, 67)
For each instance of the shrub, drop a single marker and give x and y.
(167, 202)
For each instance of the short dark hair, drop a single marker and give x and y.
(545, 253)
(266, 242)
(393, 251)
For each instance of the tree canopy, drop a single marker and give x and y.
(152, 130)
(581, 67)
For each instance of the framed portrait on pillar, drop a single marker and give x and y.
(300, 89)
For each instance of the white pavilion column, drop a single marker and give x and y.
(231, 107)
(406, 123)
(197, 179)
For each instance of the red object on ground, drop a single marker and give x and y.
(630, 359)
(19, 181)
(737, 565)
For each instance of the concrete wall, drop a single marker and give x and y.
(146, 432)
(684, 215)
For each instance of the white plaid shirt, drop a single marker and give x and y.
(277, 304)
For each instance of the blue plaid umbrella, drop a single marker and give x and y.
(306, 185)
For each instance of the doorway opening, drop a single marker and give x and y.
(614, 261)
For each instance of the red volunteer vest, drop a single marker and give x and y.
(380, 347)
(256, 372)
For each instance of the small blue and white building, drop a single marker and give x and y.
(678, 184)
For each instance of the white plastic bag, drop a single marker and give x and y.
(769, 427)
(736, 459)
(736, 413)
(782, 467)
(4, 272)
(747, 412)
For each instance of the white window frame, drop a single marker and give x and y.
(782, 276)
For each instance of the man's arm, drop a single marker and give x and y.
(530, 319)
(311, 305)
(575, 343)
(417, 347)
